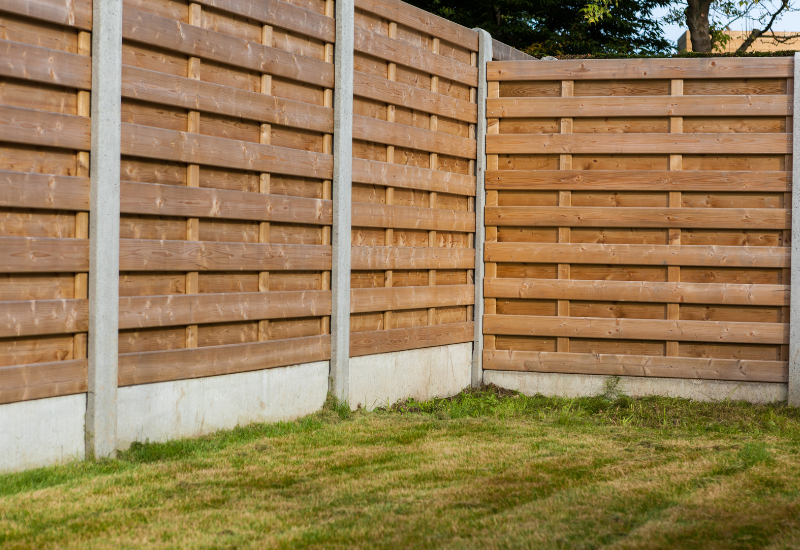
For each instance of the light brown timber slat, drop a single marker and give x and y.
(153, 30)
(177, 91)
(654, 143)
(638, 365)
(161, 144)
(163, 366)
(401, 135)
(40, 317)
(69, 13)
(492, 198)
(564, 201)
(44, 65)
(152, 255)
(412, 177)
(411, 217)
(634, 69)
(396, 257)
(44, 129)
(640, 254)
(421, 20)
(410, 297)
(640, 291)
(327, 185)
(638, 329)
(42, 380)
(401, 339)
(35, 255)
(622, 106)
(280, 14)
(640, 180)
(397, 93)
(43, 191)
(394, 51)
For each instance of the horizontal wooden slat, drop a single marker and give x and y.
(639, 291)
(637, 365)
(158, 143)
(640, 180)
(637, 329)
(39, 317)
(38, 64)
(201, 202)
(410, 297)
(612, 69)
(197, 309)
(394, 51)
(640, 254)
(196, 41)
(45, 129)
(47, 191)
(41, 380)
(151, 255)
(411, 177)
(639, 143)
(587, 216)
(411, 217)
(163, 366)
(400, 339)
(280, 14)
(31, 255)
(397, 257)
(504, 52)
(422, 21)
(621, 106)
(401, 135)
(70, 13)
(177, 91)
(397, 93)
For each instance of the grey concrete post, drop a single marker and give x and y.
(794, 309)
(101, 413)
(484, 56)
(342, 197)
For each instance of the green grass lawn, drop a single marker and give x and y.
(487, 469)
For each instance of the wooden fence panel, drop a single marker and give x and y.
(414, 184)
(45, 87)
(638, 217)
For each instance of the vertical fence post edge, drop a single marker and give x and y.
(106, 100)
(342, 198)
(484, 57)
(794, 291)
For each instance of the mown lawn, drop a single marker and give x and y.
(487, 469)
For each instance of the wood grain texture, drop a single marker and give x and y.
(639, 291)
(42, 380)
(34, 255)
(632, 254)
(40, 317)
(151, 255)
(69, 13)
(390, 257)
(637, 365)
(37, 64)
(638, 329)
(44, 191)
(401, 135)
(401, 339)
(644, 69)
(409, 297)
(411, 217)
(640, 180)
(197, 309)
(412, 177)
(189, 93)
(164, 366)
(41, 128)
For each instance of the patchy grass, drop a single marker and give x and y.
(485, 469)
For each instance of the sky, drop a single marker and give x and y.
(790, 22)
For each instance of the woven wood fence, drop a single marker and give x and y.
(638, 217)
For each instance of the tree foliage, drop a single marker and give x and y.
(553, 27)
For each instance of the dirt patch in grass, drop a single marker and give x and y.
(488, 468)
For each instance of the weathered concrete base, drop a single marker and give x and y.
(42, 432)
(580, 385)
(384, 379)
(190, 408)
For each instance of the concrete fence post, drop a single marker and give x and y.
(484, 56)
(101, 413)
(342, 197)
(794, 309)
